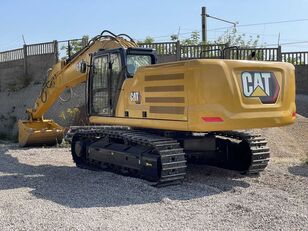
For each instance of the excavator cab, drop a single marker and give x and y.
(108, 70)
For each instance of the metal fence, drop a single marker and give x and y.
(214, 51)
(16, 54)
(68, 48)
(181, 52)
(186, 51)
(29, 50)
(166, 48)
(202, 51)
(296, 58)
(262, 54)
(41, 48)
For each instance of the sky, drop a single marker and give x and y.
(42, 21)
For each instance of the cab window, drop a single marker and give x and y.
(136, 61)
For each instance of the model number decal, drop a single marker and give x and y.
(135, 97)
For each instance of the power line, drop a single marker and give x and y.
(240, 25)
(262, 23)
(294, 43)
(288, 43)
(274, 22)
(168, 36)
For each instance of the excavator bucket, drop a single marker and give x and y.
(38, 133)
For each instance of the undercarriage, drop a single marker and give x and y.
(162, 157)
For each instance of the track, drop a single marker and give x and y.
(159, 159)
(249, 154)
(149, 156)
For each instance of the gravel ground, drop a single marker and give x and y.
(40, 189)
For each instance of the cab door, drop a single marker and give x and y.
(99, 92)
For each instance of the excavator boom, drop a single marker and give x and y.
(65, 74)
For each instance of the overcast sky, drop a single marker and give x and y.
(42, 20)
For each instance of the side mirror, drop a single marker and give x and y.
(82, 67)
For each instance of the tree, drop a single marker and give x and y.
(234, 38)
(174, 37)
(74, 46)
(193, 40)
(148, 39)
(77, 45)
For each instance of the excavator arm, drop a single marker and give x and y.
(65, 74)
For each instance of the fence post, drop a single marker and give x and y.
(56, 51)
(226, 55)
(279, 54)
(69, 49)
(25, 60)
(178, 50)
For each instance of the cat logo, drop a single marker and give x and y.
(260, 84)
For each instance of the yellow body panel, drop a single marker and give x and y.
(177, 96)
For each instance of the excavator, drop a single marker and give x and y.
(150, 120)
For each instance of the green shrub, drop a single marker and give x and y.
(69, 115)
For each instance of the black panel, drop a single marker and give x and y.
(136, 157)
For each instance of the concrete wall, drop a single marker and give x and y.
(10, 73)
(20, 85)
(14, 105)
(301, 73)
(13, 76)
(39, 64)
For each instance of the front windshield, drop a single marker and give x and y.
(135, 61)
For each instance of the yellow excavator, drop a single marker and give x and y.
(148, 120)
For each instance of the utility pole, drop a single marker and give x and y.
(204, 29)
(179, 33)
(204, 15)
(23, 39)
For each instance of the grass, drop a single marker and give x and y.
(68, 116)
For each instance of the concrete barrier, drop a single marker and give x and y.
(301, 74)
